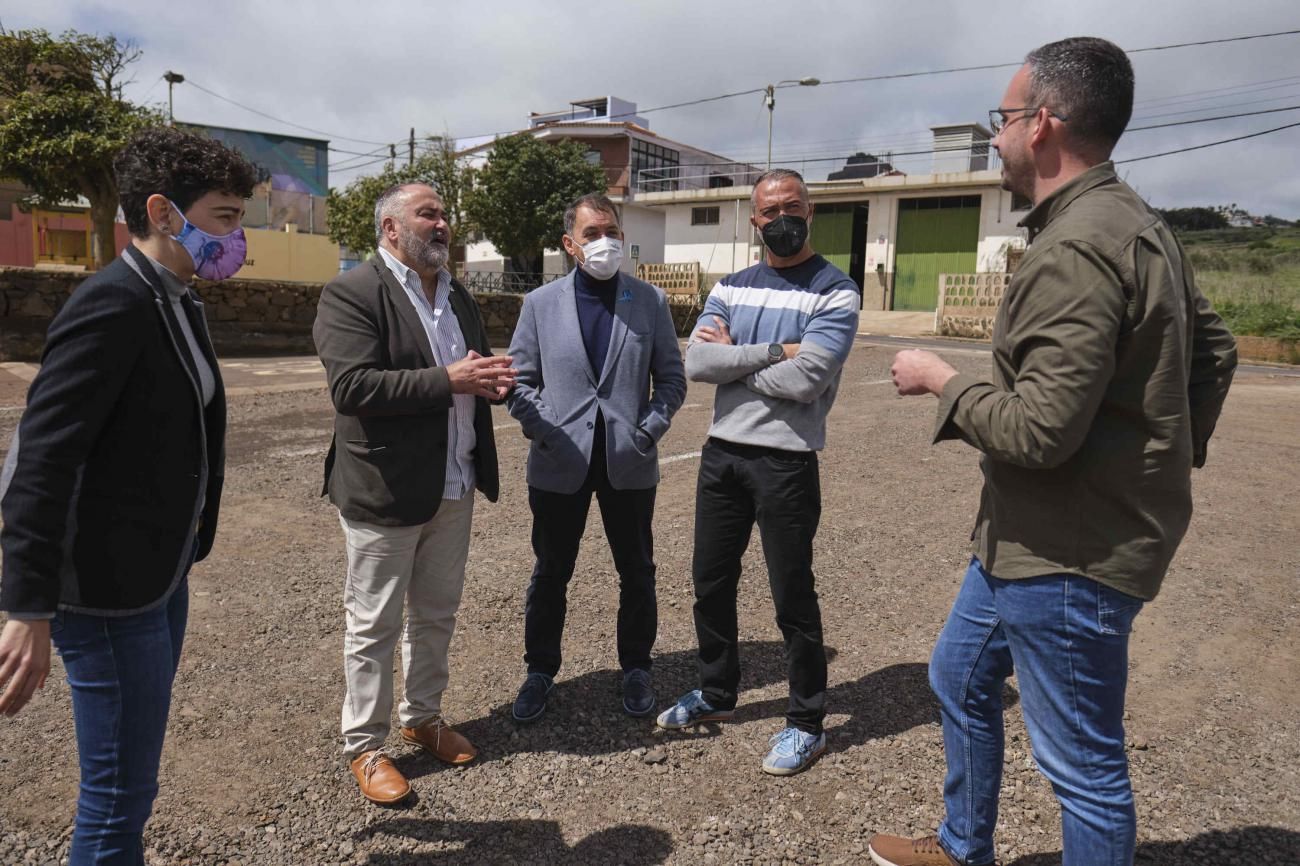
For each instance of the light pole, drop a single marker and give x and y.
(769, 98)
(171, 78)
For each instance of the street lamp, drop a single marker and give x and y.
(769, 99)
(171, 78)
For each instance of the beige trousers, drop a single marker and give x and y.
(423, 566)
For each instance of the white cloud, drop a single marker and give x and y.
(372, 71)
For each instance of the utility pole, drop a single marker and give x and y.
(392, 155)
(172, 78)
(410, 159)
(769, 99)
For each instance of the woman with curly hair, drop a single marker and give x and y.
(112, 484)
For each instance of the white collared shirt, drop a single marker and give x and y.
(448, 344)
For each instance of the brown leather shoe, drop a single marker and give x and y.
(442, 741)
(897, 851)
(380, 781)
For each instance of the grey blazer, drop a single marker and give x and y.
(557, 394)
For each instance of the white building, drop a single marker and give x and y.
(892, 233)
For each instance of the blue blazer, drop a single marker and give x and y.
(557, 393)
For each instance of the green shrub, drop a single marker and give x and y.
(1260, 263)
(1261, 318)
(1209, 260)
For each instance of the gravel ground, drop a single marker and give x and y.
(253, 773)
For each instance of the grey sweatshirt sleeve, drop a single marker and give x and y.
(803, 378)
(718, 363)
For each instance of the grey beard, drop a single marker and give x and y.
(431, 254)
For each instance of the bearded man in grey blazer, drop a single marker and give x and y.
(600, 376)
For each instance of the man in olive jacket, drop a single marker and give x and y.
(1109, 372)
(403, 346)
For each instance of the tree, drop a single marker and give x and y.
(352, 211)
(518, 198)
(1194, 218)
(63, 120)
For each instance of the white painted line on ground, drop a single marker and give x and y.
(505, 426)
(676, 457)
(879, 382)
(692, 405)
(11, 408)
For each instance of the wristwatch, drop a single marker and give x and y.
(775, 352)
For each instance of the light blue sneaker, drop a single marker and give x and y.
(691, 709)
(793, 751)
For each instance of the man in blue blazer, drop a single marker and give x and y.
(600, 376)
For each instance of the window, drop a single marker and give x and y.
(592, 157)
(939, 202)
(654, 167)
(705, 216)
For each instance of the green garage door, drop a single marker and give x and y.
(839, 233)
(935, 236)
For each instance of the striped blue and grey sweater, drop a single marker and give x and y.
(781, 405)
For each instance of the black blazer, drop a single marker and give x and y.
(388, 460)
(99, 508)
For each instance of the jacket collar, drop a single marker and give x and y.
(1051, 207)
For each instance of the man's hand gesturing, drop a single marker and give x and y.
(491, 377)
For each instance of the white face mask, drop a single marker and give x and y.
(601, 257)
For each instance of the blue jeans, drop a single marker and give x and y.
(120, 670)
(1066, 638)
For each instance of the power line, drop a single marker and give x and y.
(280, 120)
(355, 152)
(1202, 95)
(720, 97)
(1208, 144)
(899, 75)
(1220, 117)
(897, 155)
(1215, 41)
(1021, 62)
(1278, 98)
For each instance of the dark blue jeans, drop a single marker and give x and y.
(1066, 639)
(120, 670)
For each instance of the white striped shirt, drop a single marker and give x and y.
(448, 344)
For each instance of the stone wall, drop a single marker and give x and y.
(968, 303)
(246, 317)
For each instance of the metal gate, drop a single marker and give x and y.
(839, 233)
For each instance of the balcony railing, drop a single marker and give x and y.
(499, 281)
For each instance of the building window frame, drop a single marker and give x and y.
(706, 216)
(647, 157)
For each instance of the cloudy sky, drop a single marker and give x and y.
(366, 72)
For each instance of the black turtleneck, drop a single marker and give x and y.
(595, 314)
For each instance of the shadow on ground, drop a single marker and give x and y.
(1257, 846)
(584, 715)
(520, 842)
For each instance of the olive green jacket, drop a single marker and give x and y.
(1109, 371)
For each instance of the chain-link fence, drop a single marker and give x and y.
(500, 281)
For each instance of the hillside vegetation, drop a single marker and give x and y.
(1252, 275)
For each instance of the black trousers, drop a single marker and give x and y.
(741, 485)
(559, 520)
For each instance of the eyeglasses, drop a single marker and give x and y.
(999, 121)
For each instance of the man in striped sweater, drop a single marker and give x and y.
(773, 338)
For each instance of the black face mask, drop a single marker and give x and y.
(785, 235)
